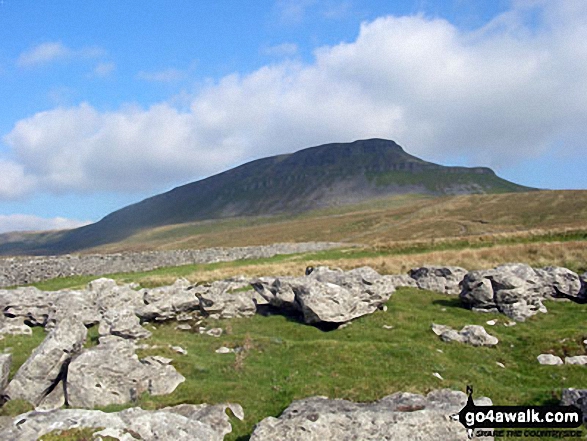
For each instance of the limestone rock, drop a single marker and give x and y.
(443, 279)
(14, 326)
(167, 302)
(516, 290)
(471, 334)
(29, 303)
(578, 359)
(123, 323)
(111, 373)
(78, 304)
(549, 359)
(401, 280)
(44, 367)
(399, 416)
(328, 296)
(5, 363)
(185, 422)
(218, 301)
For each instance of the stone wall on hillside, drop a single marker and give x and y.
(23, 270)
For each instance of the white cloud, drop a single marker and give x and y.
(497, 95)
(54, 50)
(164, 76)
(43, 53)
(281, 50)
(104, 69)
(26, 222)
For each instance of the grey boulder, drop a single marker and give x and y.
(474, 335)
(185, 422)
(516, 290)
(111, 373)
(549, 359)
(14, 326)
(167, 302)
(123, 323)
(328, 296)
(399, 416)
(443, 279)
(45, 367)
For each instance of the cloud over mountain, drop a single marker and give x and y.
(511, 90)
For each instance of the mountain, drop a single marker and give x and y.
(316, 177)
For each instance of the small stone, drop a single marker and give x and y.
(443, 309)
(579, 359)
(437, 375)
(491, 322)
(178, 349)
(224, 350)
(549, 359)
(214, 332)
(510, 324)
(501, 365)
(440, 350)
(183, 327)
(387, 327)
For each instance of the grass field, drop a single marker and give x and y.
(382, 223)
(284, 360)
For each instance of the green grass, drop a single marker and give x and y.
(286, 360)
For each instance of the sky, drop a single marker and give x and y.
(104, 103)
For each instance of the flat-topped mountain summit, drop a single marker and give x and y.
(316, 177)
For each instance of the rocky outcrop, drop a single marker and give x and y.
(38, 376)
(328, 296)
(111, 373)
(166, 302)
(398, 417)
(122, 323)
(517, 290)
(29, 303)
(226, 299)
(22, 270)
(471, 334)
(443, 279)
(14, 326)
(186, 422)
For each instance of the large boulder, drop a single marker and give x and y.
(78, 304)
(517, 290)
(180, 423)
(46, 365)
(328, 296)
(123, 323)
(220, 300)
(166, 302)
(443, 279)
(398, 417)
(29, 303)
(473, 335)
(14, 326)
(111, 373)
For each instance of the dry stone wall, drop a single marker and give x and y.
(23, 270)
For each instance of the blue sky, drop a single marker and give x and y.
(108, 102)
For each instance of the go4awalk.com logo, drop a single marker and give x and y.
(519, 421)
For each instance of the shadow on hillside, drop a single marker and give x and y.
(451, 302)
(295, 316)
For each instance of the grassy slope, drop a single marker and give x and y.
(285, 360)
(382, 222)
